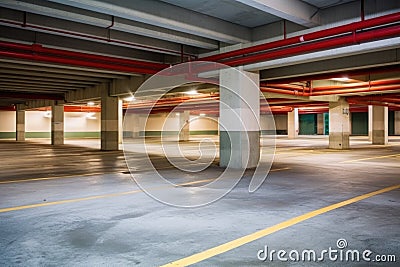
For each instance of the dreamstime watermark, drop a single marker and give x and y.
(340, 253)
(238, 124)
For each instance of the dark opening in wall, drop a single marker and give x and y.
(359, 123)
(307, 124)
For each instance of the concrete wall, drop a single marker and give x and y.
(7, 121)
(37, 125)
(198, 124)
(280, 124)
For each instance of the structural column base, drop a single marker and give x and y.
(339, 140)
(379, 137)
(239, 150)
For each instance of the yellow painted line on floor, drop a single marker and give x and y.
(377, 157)
(267, 231)
(52, 178)
(89, 174)
(280, 169)
(67, 201)
(96, 197)
(87, 198)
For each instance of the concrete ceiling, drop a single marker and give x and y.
(327, 3)
(232, 11)
(159, 31)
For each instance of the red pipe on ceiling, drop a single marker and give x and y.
(318, 45)
(348, 28)
(358, 85)
(384, 98)
(103, 39)
(79, 63)
(81, 109)
(331, 92)
(375, 103)
(283, 91)
(358, 90)
(37, 48)
(347, 73)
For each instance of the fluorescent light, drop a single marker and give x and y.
(129, 98)
(91, 103)
(191, 92)
(202, 114)
(341, 79)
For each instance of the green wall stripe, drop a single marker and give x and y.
(172, 133)
(37, 134)
(7, 135)
(82, 134)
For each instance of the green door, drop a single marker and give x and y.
(326, 121)
(391, 122)
(359, 123)
(308, 124)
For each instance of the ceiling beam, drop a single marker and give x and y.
(353, 62)
(53, 76)
(295, 11)
(15, 95)
(52, 68)
(27, 82)
(39, 85)
(29, 78)
(104, 21)
(34, 90)
(167, 16)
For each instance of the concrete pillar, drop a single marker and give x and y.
(120, 122)
(380, 125)
(239, 119)
(109, 121)
(57, 124)
(397, 123)
(320, 124)
(136, 125)
(20, 127)
(184, 130)
(339, 125)
(293, 124)
(370, 123)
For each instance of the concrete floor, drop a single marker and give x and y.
(73, 205)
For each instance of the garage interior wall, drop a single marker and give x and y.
(80, 125)
(77, 124)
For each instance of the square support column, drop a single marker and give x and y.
(339, 125)
(397, 122)
(239, 119)
(380, 120)
(136, 124)
(20, 127)
(109, 121)
(293, 124)
(370, 123)
(57, 124)
(184, 129)
(120, 121)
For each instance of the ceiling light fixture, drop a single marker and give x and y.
(341, 79)
(91, 103)
(191, 92)
(129, 98)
